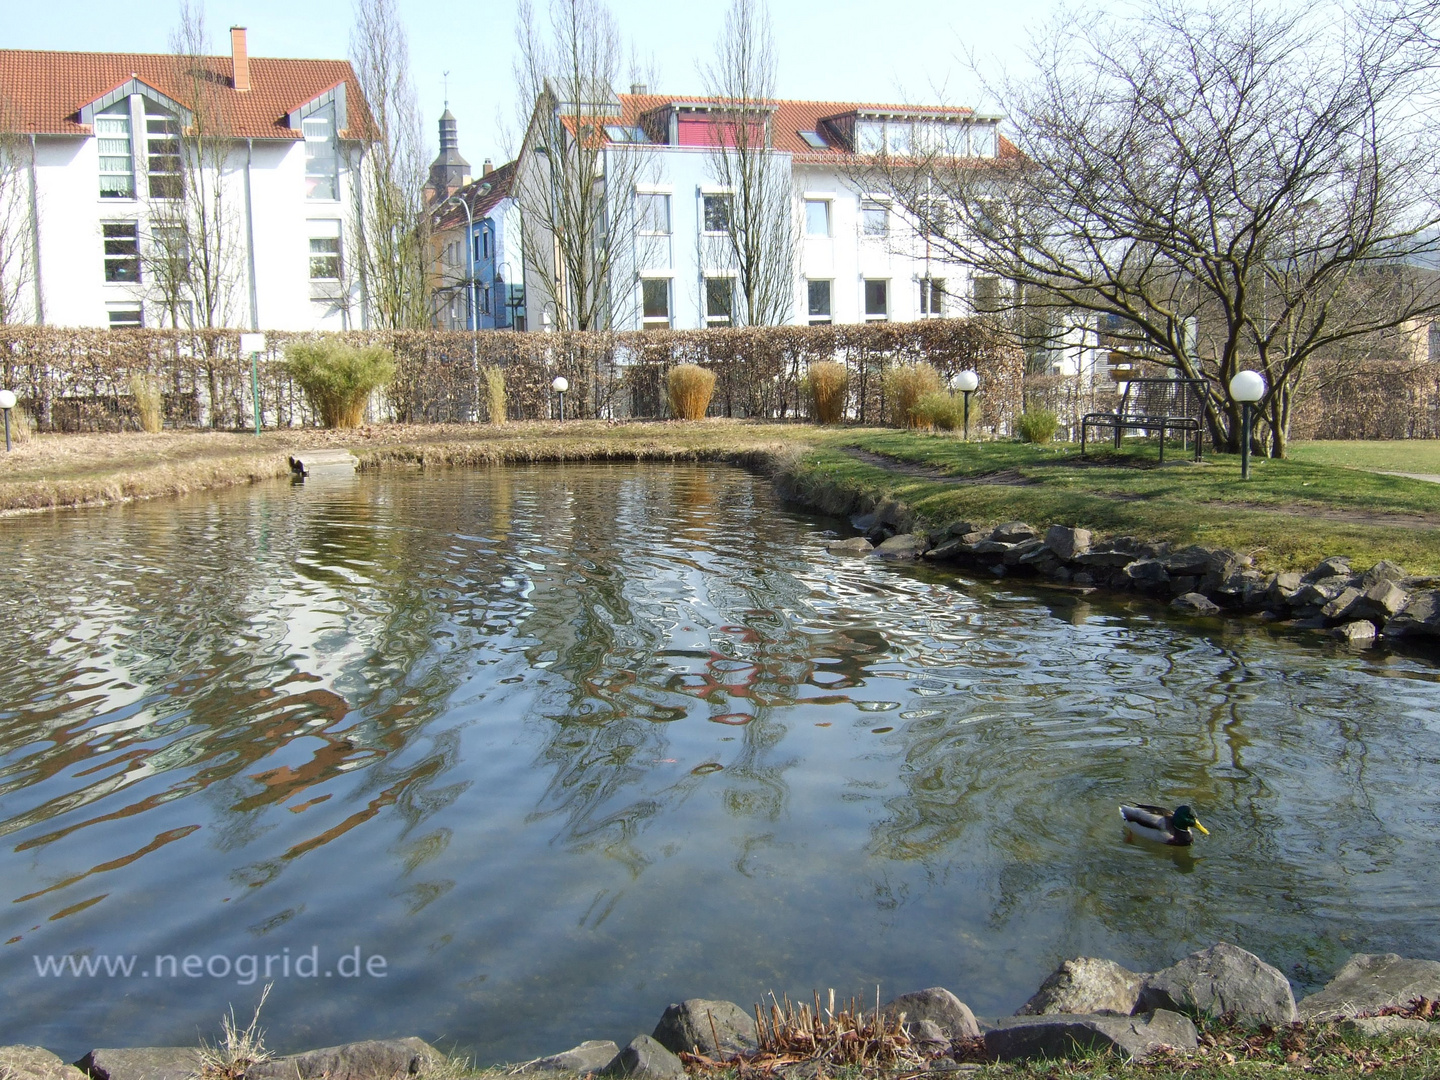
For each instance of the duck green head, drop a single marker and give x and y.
(1185, 819)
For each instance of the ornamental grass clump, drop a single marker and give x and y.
(338, 379)
(690, 388)
(495, 393)
(1037, 425)
(942, 410)
(826, 385)
(149, 403)
(904, 385)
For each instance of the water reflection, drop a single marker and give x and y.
(565, 743)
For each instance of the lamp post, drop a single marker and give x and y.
(966, 382)
(254, 344)
(7, 402)
(1247, 388)
(560, 385)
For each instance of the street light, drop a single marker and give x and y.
(560, 385)
(966, 382)
(1247, 388)
(7, 402)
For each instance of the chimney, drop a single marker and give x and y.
(639, 88)
(487, 168)
(239, 59)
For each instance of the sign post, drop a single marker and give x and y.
(254, 344)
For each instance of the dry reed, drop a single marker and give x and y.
(22, 426)
(904, 385)
(238, 1049)
(149, 403)
(827, 384)
(690, 388)
(495, 392)
(943, 411)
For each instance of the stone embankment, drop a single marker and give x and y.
(1086, 1005)
(1355, 606)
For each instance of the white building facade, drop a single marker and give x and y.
(115, 174)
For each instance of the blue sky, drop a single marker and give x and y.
(836, 50)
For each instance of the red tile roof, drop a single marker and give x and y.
(790, 118)
(500, 180)
(48, 89)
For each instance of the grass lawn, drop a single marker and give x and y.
(1392, 455)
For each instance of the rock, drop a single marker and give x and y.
(1025, 547)
(975, 537)
(990, 547)
(35, 1063)
(1420, 617)
(1360, 633)
(1146, 574)
(1319, 593)
(928, 1037)
(938, 1005)
(904, 546)
(1380, 603)
(588, 1057)
(948, 550)
(864, 522)
(1370, 982)
(646, 1059)
(142, 1063)
(1112, 559)
(696, 1022)
(1284, 588)
(1384, 570)
(1191, 560)
(1195, 603)
(373, 1059)
(958, 530)
(856, 545)
(1068, 1035)
(1222, 979)
(1065, 542)
(1335, 566)
(1339, 608)
(1390, 1027)
(1013, 532)
(1083, 579)
(1086, 985)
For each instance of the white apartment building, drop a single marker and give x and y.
(111, 162)
(858, 258)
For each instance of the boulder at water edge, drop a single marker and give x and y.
(856, 545)
(372, 1059)
(645, 1059)
(1370, 982)
(695, 1024)
(142, 1063)
(590, 1056)
(1018, 1038)
(35, 1063)
(1086, 985)
(1222, 979)
(939, 1006)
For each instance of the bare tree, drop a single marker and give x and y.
(1221, 187)
(575, 183)
(760, 230)
(17, 241)
(390, 238)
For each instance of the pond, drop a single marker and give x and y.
(513, 758)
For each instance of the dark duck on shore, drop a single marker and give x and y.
(1162, 825)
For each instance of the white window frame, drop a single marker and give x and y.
(716, 192)
(717, 320)
(829, 217)
(820, 320)
(669, 212)
(127, 119)
(647, 322)
(870, 316)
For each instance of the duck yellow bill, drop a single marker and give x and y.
(1202, 828)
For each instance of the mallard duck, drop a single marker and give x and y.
(1161, 825)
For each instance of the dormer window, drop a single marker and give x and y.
(621, 134)
(814, 140)
(117, 167)
(162, 151)
(321, 157)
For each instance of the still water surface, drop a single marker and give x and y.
(565, 744)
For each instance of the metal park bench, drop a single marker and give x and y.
(1176, 405)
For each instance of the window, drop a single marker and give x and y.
(897, 138)
(874, 218)
(814, 140)
(325, 258)
(987, 294)
(485, 242)
(717, 213)
(321, 160)
(719, 301)
(655, 303)
(654, 212)
(122, 251)
(127, 317)
(1433, 343)
(817, 217)
(162, 139)
(932, 293)
(935, 217)
(869, 136)
(982, 140)
(117, 169)
(622, 134)
(877, 300)
(819, 302)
